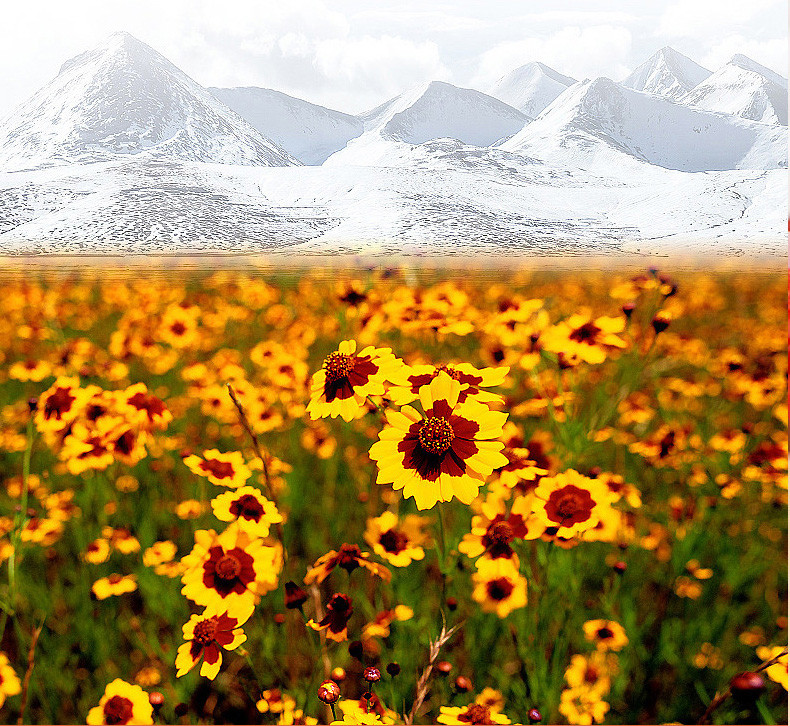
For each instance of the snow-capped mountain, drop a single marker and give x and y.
(531, 87)
(601, 122)
(307, 131)
(667, 73)
(122, 152)
(743, 88)
(124, 98)
(424, 114)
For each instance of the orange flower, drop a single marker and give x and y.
(205, 634)
(349, 557)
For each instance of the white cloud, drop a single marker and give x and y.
(770, 53)
(701, 18)
(573, 50)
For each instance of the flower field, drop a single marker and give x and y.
(394, 496)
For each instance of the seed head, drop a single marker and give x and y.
(371, 674)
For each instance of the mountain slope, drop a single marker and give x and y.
(602, 121)
(124, 98)
(423, 115)
(667, 73)
(531, 88)
(305, 130)
(743, 88)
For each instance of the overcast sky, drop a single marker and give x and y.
(353, 54)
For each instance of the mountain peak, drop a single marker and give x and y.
(667, 73)
(531, 88)
(124, 98)
(747, 64)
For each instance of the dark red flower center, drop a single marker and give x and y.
(217, 469)
(118, 710)
(247, 506)
(605, 633)
(476, 713)
(205, 631)
(394, 541)
(436, 435)
(338, 365)
(500, 589)
(348, 557)
(58, 403)
(587, 333)
(569, 505)
(591, 674)
(227, 568)
(152, 405)
(178, 328)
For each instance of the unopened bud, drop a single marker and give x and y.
(338, 675)
(295, 597)
(747, 686)
(371, 674)
(463, 684)
(393, 669)
(534, 715)
(328, 692)
(156, 699)
(619, 567)
(444, 667)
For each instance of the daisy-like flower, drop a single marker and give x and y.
(122, 703)
(582, 706)
(254, 513)
(570, 502)
(492, 537)
(582, 337)
(30, 370)
(223, 469)
(335, 623)
(114, 585)
(9, 681)
(60, 404)
(97, 551)
(230, 571)
(205, 635)
(606, 634)
(121, 539)
(447, 452)
(474, 713)
(520, 471)
(492, 698)
(347, 378)
(399, 543)
(349, 557)
(158, 554)
(365, 708)
(380, 627)
(499, 587)
(593, 671)
(145, 409)
(408, 380)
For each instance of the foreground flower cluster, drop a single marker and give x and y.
(394, 498)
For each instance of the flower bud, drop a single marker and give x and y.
(393, 669)
(295, 597)
(747, 686)
(156, 699)
(660, 323)
(444, 667)
(619, 567)
(338, 675)
(534, 715)
(328, 692)
(371, 674)
(463, 684)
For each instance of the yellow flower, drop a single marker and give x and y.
(230, 571)
(408, 380)
(114, 585)
(347, 378)
(499, 587)
(9, 681)
(474, 713)
(97, 551)
(582, 706)
(205, 634)
(606, 634)
(570, 503)
(397, 543)
(122, 703)
(582, 337)
(593, 671)
(778, 671)
(254, 513)
(447, 452)
(225, 470)
(159, 553)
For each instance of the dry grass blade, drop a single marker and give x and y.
(422, 683)
(31, 662)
